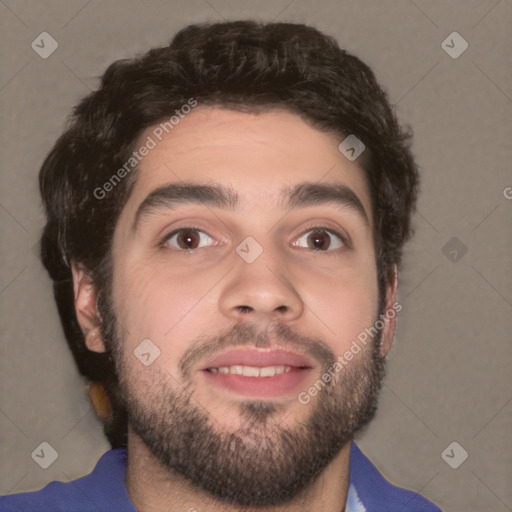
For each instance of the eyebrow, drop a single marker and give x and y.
(220, 196)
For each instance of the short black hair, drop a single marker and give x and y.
(241, 65)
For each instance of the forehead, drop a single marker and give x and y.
(257, 155)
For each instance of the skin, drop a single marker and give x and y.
(161, 294)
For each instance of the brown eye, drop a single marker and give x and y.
(186, 238)
(320, 239)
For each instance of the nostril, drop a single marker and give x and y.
(244, 309)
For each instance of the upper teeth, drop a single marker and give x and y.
(251, 371)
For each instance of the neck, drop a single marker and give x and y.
(154, 488)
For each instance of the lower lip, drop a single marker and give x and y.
(278, 385)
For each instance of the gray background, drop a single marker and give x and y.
(449, 371)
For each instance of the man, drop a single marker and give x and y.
(225, 223)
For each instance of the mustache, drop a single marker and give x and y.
(240, 335)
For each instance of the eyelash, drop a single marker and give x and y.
(331, 252)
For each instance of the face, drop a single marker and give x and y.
(227, 310)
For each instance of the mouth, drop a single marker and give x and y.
(251, 371)
(258, 373)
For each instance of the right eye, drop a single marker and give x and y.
(186, 238)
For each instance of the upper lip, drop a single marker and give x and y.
(259, 358)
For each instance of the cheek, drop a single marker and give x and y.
(168, 307)
(343, 304)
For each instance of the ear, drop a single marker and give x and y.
(390, 312)
(85, 295)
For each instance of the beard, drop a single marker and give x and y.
(262, 462)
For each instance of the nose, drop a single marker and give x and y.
(261, 291)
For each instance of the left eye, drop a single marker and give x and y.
(320, 239)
